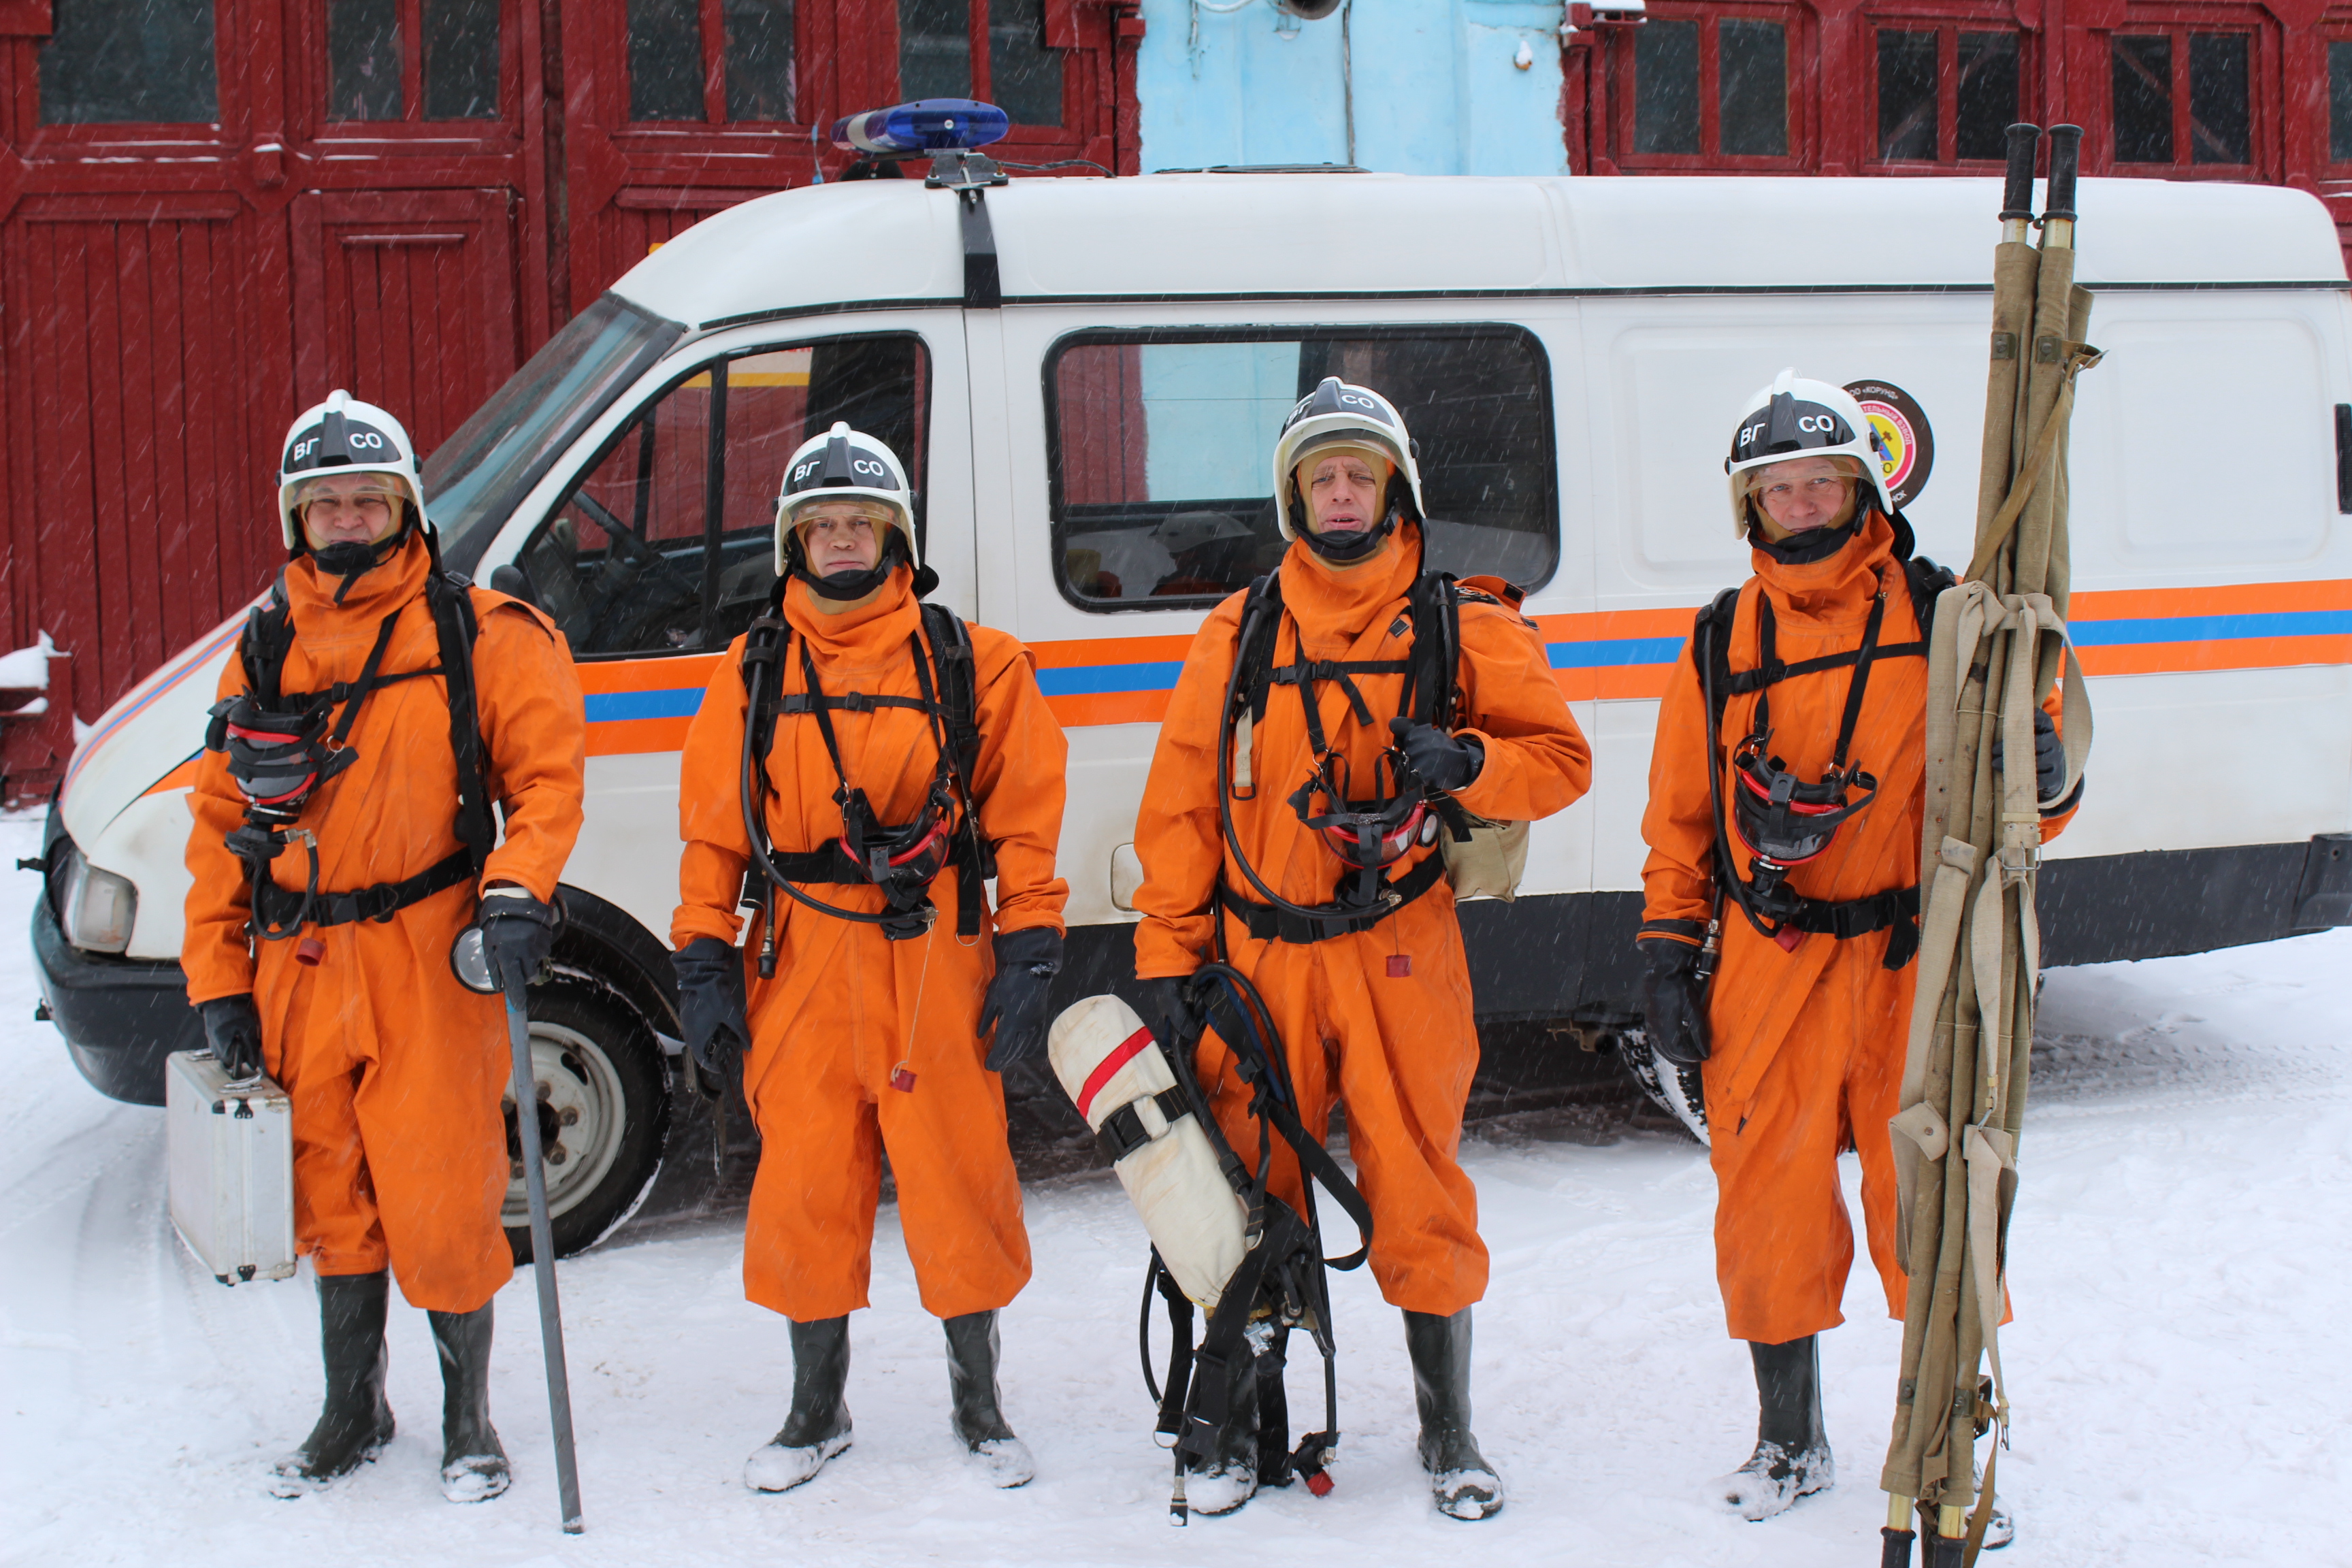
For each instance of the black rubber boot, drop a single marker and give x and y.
(473, 1461)
(977, 1416)
(355, 1422)
(818, 1427)
(1792, 1453)
(1230, 1478)
(1464, 1485)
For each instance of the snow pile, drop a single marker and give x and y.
(2176, 1360)
(27, 669)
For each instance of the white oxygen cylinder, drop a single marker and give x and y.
(1112, 1069)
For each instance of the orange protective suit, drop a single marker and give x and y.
(848, 1007)
(1379, 1021)
(1807, 1045)
(395, 1069)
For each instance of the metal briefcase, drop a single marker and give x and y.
(232, 1169)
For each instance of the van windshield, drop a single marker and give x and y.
(475, 479)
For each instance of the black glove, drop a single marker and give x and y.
(1672, 1005)
(518, 934)
(1444, 762)
(233, 1030)
(710, 1011)
(1026, 963)
(2049, 759)
(1166, 1011)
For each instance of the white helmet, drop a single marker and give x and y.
(342, 435)
(1336, 413)
(845, 465)
(1794, 417)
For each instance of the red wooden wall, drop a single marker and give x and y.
(405, 197)
(2068, 72)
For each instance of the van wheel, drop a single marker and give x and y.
(604, 1106)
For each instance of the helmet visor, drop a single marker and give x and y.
(362, 490)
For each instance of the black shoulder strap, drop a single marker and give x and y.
(1261, 623)
(958, 681)
(268, 636)
(455, 624)
(1711, 640)
(1434, 664)
(1927, 580)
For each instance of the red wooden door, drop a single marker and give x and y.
(137, 518)
(408, 299)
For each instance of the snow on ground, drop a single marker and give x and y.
(2179, 1264)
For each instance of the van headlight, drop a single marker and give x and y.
(99, 907)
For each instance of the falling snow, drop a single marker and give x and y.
(2175, 1363)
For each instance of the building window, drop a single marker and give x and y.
(1710, 88)
(127, 61)
(743, 74)
(2339, 101)
(1160, 448)
(990, 49)
(1753, 89)
(444, 67)
(1944, 94)
(2182, 96)
(1665, 86)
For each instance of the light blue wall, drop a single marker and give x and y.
(1436, 87)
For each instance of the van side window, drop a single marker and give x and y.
(1161, 448)
(666, 544)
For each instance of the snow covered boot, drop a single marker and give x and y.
(2000, 1530)
(818, 1427)
(977, 1419)
(1230, 1478)
(1793, 1454)
(355, 1422)
(1464, 1485)
(473, 1461)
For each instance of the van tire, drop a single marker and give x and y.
(601, 1069)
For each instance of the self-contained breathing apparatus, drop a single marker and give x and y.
(1366, 835)
(901, 859)
(1781, 820)
(1187, 1197)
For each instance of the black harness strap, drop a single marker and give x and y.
(1271, 923)
(1432, 611)
(284, 907)
(944, 676)
(1844, 920)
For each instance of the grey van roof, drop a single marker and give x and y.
(876, 242)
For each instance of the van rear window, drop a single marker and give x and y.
(1162, 452)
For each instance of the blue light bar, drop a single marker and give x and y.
(926, 125)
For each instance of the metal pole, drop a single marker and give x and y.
(542, 1259)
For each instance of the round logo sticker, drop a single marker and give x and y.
(1909, 444)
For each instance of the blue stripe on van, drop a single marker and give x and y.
(1086, 680)
(1611, 653)
(614, 707)
(2211, 628)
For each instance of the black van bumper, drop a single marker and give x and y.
(120, 1016)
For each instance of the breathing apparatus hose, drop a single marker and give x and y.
(1725, 868)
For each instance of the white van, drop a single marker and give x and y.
(1085, 378)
